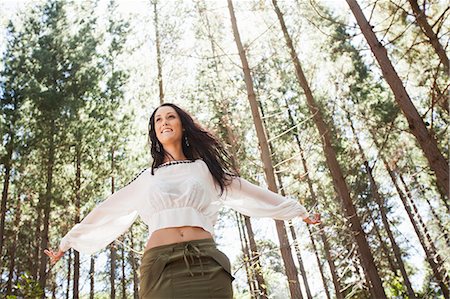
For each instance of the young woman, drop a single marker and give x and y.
(179, 199)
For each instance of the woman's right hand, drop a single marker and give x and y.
(54, 256)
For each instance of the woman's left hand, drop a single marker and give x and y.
(314, 220)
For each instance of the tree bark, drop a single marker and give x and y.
(47, 204)
(261, 291)
(91, 278)
(326, 247)
(383, 244)
(335, 169)
(69, 272)
(6, 180)
(381, 206)
(124, 279)
(112, 274)
(429, 256)
(291, 271)
(134, 267)
(12, 249)
(296, 242)
(421, 19)
(158, 51)
(37, 234)
(245, 247)
(442, 229)
(76, 264)
(417, 127)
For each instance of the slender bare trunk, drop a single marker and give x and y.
(246, 255)
(421, 19)
(381, 206)
(6, 180)
(335, 169)
(12, 249)
(319, 262)
(326, 247)
(442, 229)
(91, 278)
(261, 291)
(37, 234)
(76, 264)
(429, 256)
(417, 127)
(47, 204)
(296, 242)
(112, 258)
(158, 51)
(421, 223)
(123, 280)
(383, 244)
(69, 272)
(291, 271)
(134, 267)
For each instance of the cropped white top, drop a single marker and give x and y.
(183, 194)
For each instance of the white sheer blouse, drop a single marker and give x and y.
(183, 194)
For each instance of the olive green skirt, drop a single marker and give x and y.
(194, 269)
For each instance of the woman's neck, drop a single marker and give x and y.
(174, 153)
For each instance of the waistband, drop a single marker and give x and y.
(178, 246)
(187, 249)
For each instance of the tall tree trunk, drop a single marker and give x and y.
(336, 172)
(158, 51)
(421, 19)
(261, 289)
(12, 249)
(91, 278)
(381, 206)
(429, 255)
(323, 237)
(47, 203)
(291, 270)
(294, 238)
(383, 244)
(442, 229)
(319, 262)
(112, 274)
(123, 278)
(76, 264)
(69, 272)
(421, 223)
(134, 267)
(6, 180)
(440, 277)
(246, 255)
(37, 234)
(416, 125)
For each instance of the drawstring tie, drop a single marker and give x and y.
(191, 251)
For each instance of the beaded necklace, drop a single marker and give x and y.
(175, 162)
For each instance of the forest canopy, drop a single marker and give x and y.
(341, 105)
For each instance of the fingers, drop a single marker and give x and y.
(314, 220)
(54, 257)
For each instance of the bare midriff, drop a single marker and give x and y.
(173, 235)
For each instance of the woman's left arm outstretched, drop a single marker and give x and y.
(255, 201)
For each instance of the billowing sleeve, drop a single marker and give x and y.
(255, 201)
(109, 219)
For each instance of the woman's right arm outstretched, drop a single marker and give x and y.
(106, 221)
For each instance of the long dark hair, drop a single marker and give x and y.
(202, 144)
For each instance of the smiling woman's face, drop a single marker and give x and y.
(168, 126)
